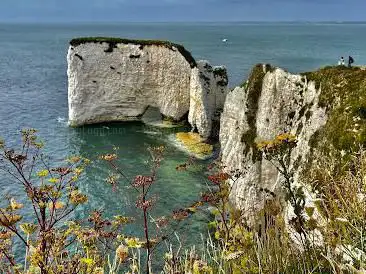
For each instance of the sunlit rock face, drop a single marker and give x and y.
(207, 96)
(271, 102)
(117, 80)
(119, 84)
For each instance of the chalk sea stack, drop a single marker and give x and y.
(112, 79)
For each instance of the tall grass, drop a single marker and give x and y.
(337, 217)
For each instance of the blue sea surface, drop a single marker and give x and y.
(33, 93)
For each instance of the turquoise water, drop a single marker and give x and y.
(33, 88)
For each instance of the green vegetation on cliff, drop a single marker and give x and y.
(343, 94)
(113, 41)
(254, 88)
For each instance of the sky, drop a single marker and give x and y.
(181, 10)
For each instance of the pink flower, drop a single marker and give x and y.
(141, 180)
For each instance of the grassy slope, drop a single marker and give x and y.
(343, 94)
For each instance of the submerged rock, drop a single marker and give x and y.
(195, 145)
(118, 79)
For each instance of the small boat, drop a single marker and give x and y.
(224, 40)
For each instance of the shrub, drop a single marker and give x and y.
(55, 242)
(331, 229)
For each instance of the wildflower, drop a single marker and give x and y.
(280, 142)
(219, 178)
(122, 252)
(62, 170)
(197, 204)
(56, 205)
(286, 137)
(87, 261)
(42, 173)
(97, 218)
(209, 197)
(168, 256)
(28, 228)
(213, 179)
(15, 205)
(38, 145)
(78, 171)
(53, 180)
(223, 176)
(109, 157)
(121, 220)
(180, 214)
(4, 235)
(262, 145)
(9, 220)
(133, 243)
(141, 180)
(144, 204)
(18, 158)
(78, 198)
(162, 222)
(112, 179)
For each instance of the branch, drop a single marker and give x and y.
(11, 260)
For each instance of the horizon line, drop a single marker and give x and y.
(188, 21)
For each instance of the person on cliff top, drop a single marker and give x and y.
(350, 61)
(341, 62)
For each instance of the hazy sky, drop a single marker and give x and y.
(182, 10)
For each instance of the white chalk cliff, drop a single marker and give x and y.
(207, 97)
(271, 102)
(117, 80)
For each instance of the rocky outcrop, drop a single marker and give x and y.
(207, 96)
(324, 109)
(117, 80)
(271, 102)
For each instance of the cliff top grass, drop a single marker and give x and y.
(343, 94)
(113, 41)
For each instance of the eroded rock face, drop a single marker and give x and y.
(271, 102)
(118, 80)
(120, 85)
(207, 96)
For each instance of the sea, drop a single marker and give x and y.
(33, 94)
